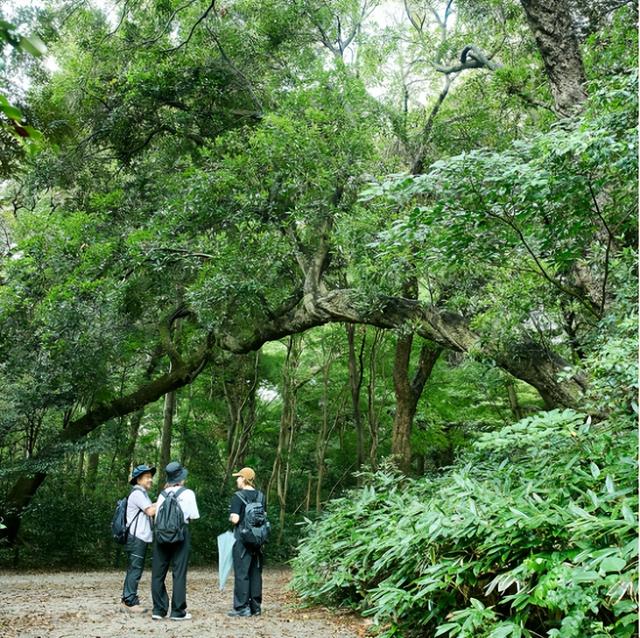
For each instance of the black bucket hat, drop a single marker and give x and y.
(138, 471)
(175, 472)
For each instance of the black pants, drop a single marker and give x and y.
(136, 551)
(247, 588)
(176, 555)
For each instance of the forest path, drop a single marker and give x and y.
(86, 605)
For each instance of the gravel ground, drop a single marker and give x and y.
(86, 605)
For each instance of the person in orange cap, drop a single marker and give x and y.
(247, 561)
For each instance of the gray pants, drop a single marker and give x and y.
(247, 588)
(136, 551)
(175, 555)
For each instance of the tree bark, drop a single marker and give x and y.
(281, 464)
(323, 435)
(81, 468)
(134, 428)
(551, 25)
(373, 418)
(514, 404)
(92, 471)
(167, 432)
(408, 393)
(356, 373)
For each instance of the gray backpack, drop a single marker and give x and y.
(169, 524)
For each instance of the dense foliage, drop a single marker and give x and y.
(532, 532)
(318, 237)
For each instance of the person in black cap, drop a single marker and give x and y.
(175, 554)
(140, 510)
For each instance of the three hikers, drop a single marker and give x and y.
(175, 507)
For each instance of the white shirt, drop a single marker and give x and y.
(140, 527)
(186, 500)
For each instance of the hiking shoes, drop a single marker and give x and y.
(187, 616)
(245, 611)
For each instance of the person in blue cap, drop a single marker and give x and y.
(140, 511)
(173, 552)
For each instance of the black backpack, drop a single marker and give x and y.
(169, 523)
(255, 528)
(119, 527)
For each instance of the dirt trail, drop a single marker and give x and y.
(86, 605)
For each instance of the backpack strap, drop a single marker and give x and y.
(135, 487)
(256, 500)
(177, 493)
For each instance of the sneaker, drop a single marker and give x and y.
(256, 612)
(134, 609)
(245, 611)
(159, 616)
(187, 616)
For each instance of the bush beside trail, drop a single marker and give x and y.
(532, 532)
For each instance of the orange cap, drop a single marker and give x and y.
(246, 473)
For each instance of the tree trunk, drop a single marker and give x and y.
(81, 468)
(323, 436)
(167, 432)
(280, 472)
(240, 395)
(92, 471)
(356, 371)
(134, 428)
(526, 360)
(514, 404)
(551, 25)
(408, 393)
(373, 418)
(307, 500)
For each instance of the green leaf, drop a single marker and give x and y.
(610, 485)
(33, 44)
(11, 112)
(612, 564)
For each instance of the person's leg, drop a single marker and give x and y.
(255, 584)
(159, 568)
(179, 571)
(136, 551)
(241, 564)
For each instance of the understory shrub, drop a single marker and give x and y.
(531, 533)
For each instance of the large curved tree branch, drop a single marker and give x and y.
(527, 360)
